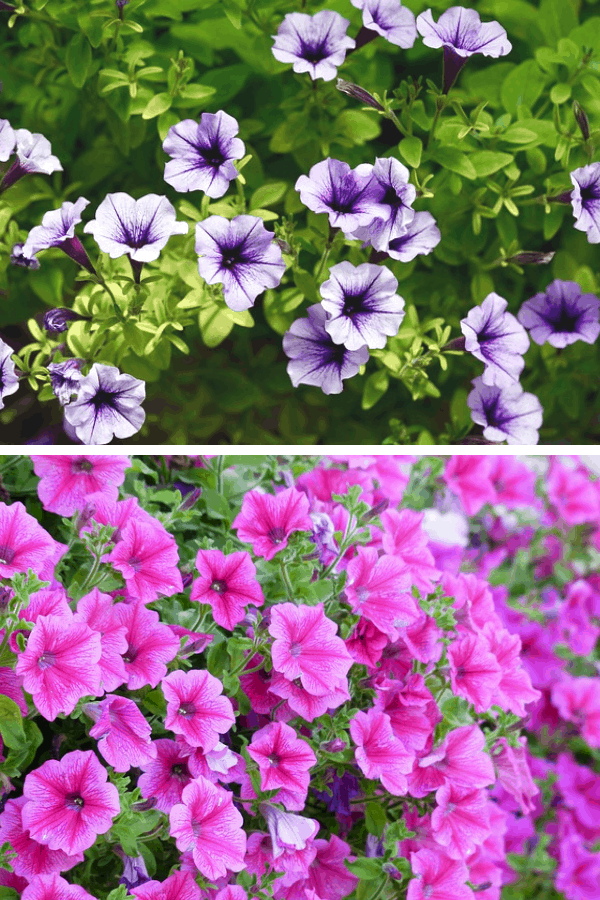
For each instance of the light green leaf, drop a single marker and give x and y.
(455, 161)
(375, 387)
(357, 125)
(410, 150)
(78, 59)
(522, 86)
(268, 194)
(516, 134)
(215, 325)
(486, 162)
(196, 91)
(159, 104)
(556, 19)
(560, 93)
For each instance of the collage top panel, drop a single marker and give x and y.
(283, 222)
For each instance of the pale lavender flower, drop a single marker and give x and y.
(241, 255)
(314, 44)
(18, 258)
(57, 320)
(390, 19)
(288, 831)
(420, 237)
(461, 33)
(351, 197)
(202, 154)
(397, 199)
(506, 414)
(362, 305)
(34, 155)
(9, 380)
(7, 140)
(495, 337)
(58, 230)
(585, 200)
(65, 379)
(561, 315)
(140, 228)
(315, 359)
(108, 405)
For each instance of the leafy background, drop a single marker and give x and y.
(105, 92)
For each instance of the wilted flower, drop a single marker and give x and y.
(58, 230)
(9, 380)
(390, 19)
(108, 405)
(314, 44)
(585, 200)
(561, 315)
(203, 153)
(65, 378)
(57, 320)
(531, 257)
(507, 414)
(140, 228)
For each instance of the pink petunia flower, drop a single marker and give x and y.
(460, 760)
(515, 688)
(404, 538)
(578, 873)
(307, 647)
(228, 584)
(424, 640)
(438, 877)
(24, 544)
(328, 877)
(122, 732)
(147, 558)
(178, 886)
(284, 761)
(232, 892)
(469, 477)
(32, 858)
(578, 700)
(207, 823)
(97, 610)
(580, 789)
(53, 887)
(66, 481)
(378, 589)
(288, 831)
(266, 521)
(117, 513)
(69, 802)
(380, 754)
(569, 491)
(473, 603)
(514, 774)
(59, 665)
(150, 644)
(514, 482)
(576, 617)
(302, 702)
(460, 822)
(11, 685)
(196, 708)
(47, 603)
(365, 644)
(474, 670)
(165, 776)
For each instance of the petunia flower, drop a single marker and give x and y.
(460, 759)
(108, 405)
(150, 644)
(495, 337)
(138, 228)
(65, 481)
(65, 379)
(561, 315)
(165, 776)
(314, 44)
(196, 707)
(32, 857)
(18, 259)
(97, 610)
(266, 521)
(147, 558)
(207, 822)
(378, 589)
(7, 140)
(568, 491)
(288, 831)
(202, 154)
(34, 155)
(390, 19)
(515, 689)
(178, 886)
(404, 538)
(578, 873)
(57, 320)
(438, 877)
(24, 544)
(134, 869)
(397, 199)
(418, 238)
(350, 197)
(304, 703)
(284, 761)
(514, 774)
(585, 200)
(9, 380)
(58, 230)
(69, 802)
(328, 876)
(461, 33)
(460, 821)
(506, 414)
(54, 887)
(379, 753)
(362, 305)
(228, 584)
(314, 357)
(122, 732)
(474, 670)
(241, 254)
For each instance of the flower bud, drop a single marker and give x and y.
(144, 805)
(5, 598)
(337, 745)
(457, 343)
(57, 320)
(582, 120)
(376, 510)
(190, 499)
(85, 515)
(531, 257)
(354, 90)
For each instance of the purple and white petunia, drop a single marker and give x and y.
(18, 258)
(351, 197)
(506, 414)
(461, 33)
(314, 44)
(140, 228)
(34, 155)
(108, 405)
(362, 305)
(420, 237)
(561, 315)
(240, 254)
(65, 379)
(495, 337)
(315, 359)
(398, 198)
(58, 230)
(203, 153)
(585, 200)
(7, 140)
(9, 380)
(390, 19)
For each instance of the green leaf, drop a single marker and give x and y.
(455, 161)
(268, 194)
(78, 59)
(375, 818)
(305, 282)
(358, 125)
(556, 19)
(232, 10)
(410, 150)
(522, 86)
(560, 93)
(11, 723)
(159, 104)
(215, 325)
(365, 868)
(375, 387)
(486, 162)
(196, 91)
(460, 414)
(516, 134)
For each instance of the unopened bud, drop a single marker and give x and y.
(85, 515)
(5, 598)
(531, 257)
(457, 343)
(582, 120)
(57, 320)
(144, 805)
(187, 578)
(354, 90)
(337, 745)
(283, 245)
(376, 510)
(190, 499)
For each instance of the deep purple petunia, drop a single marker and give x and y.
(420, 237)
(351, 197)
(315, 358)
(58, 230)
(65, 379)
(495, 337)
(9, 380)
(398, 198)
(239, 254)
(507, 414)
(314, 44)
(390, 19)
(561, 315)
(34, 156)
(362, 305)
(461, 33)
(7, 140)
(108, 405)
(140, 228)
(203, 153)
(585, 200)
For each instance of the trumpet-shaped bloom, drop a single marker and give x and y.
(315, 358)
(515, 689)
(202, 154)
(314, 44)
(495, 337)
(284, 761)
(378, 589)
(585, 200)
(514, 774)
(460, 822)
(196, 708)
(24, 544)
(404, 538)
(178, 886)
(438, 877)
(32, 857)
(302, 702)
(108, 405)
(266, 521)
(418, 238)
(147, 558)
(138, 228)
(461, 759)
(506, 414)
(54, 887)
(362, 305)
(390, 19)
(474, 670)
(561, 315)
(150, 644)
(65, 379)
(66, 481)
(380, 754)
(397, 199)
(288, 831)
(98, 612)
(122, 732)
(207, 823)
(69, 802)
(58, 230)
(9, 380)
(228, 584)
(165, 776)
(469, 478)
(7, 140)
(350, 197)
(34, 153)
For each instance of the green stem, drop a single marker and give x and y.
(218, 470)
(286, 580)
(116, 307)
(379, 890)
(89, 581)
(440, 105)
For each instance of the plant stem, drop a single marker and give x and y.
(286, 581)
(88, 583)
(116, 307)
